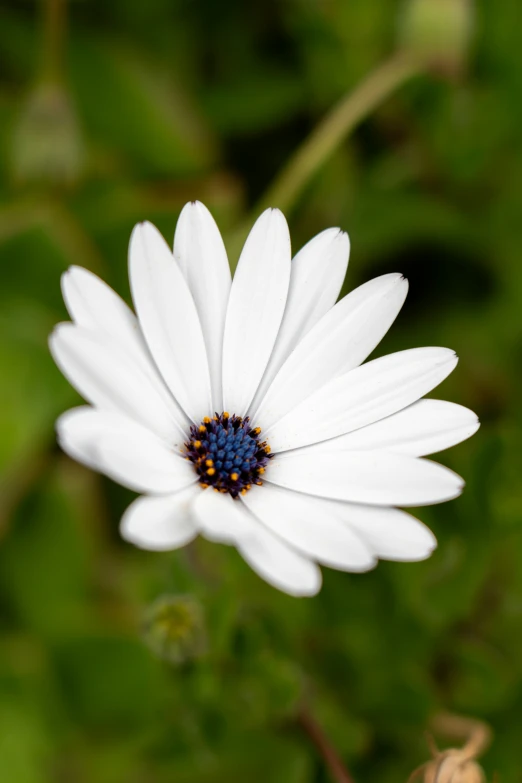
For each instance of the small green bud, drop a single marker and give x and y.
(438, 33)
(47, 145)
(174, 628)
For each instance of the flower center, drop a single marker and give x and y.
(227, 454)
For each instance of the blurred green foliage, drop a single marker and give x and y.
(150, 105)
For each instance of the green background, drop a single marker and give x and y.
(152, 105)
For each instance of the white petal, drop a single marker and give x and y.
(125, 451)
(317, 274)
(144, 464)
(423, 428)
(160, 523)
(311, 526)
(255, 309)
(281, 566)
(341, 340)
(362, 396)
(79, 430)
(93, 305)
(202, 258)
(169, 320)
(108, 378)
(372, 477)
(390, 533)
(222, 519)
(219, 517)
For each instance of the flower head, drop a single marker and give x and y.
(242, 409)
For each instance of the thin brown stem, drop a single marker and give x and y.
(324, 747)
(54, 24)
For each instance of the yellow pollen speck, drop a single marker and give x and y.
(234, 476)
(211, 471)
(206, 420)
(209, 463)
(204, 486)
(248, 486)
(260, 471)
(267, 449)
(197, 444)
(243, 491)
(256, 431)
(259, 483)
(226, 414)
(202, 428)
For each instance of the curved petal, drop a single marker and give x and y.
(390, 533)
(341, 340)
(423, 428)
(255, 309)
(169, 320)
(362, 396)
(106, 377)
(317, 274)
(93, 305)
(222, 519)
(202, 258)
(125, 451)
(160, 523)
(311, 526)
(218, 518)
(369, 477)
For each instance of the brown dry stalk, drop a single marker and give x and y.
(324, 747)
(456, 765)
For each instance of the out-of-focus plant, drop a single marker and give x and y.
(438, 33)
(456, 765)
(174, 628)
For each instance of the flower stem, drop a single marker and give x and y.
(325, 749)
(328, 135)
(54, 24)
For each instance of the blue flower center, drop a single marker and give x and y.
(227, 453)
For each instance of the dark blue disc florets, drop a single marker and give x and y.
(227, 453)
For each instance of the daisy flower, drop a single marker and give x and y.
(241, 409)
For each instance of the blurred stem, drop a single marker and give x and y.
(54, 25)
(325, 749)
(328, 135)
(475, 733)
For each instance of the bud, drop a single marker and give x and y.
(174, 628)
(438, 32)
(47, 146)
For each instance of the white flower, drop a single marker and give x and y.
(316, 450)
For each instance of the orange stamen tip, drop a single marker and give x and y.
(206, 419)
(202, 428)
(259, 483)
(268, 449)
(211, 471)
(243, 491)
(257, 430)
(204, 486)
(226, 414)
(209, 463)
(261, 471)
(197, 444)
(234, 476)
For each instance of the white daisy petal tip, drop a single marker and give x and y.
(160, 524)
